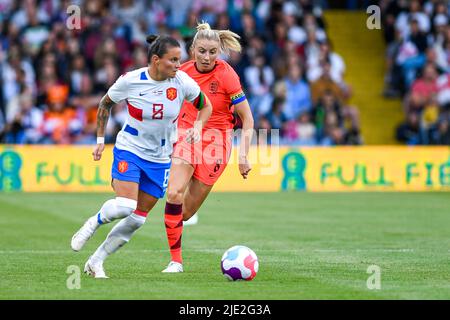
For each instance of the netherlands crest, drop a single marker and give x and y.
(171, 93)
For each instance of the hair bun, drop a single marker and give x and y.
(151, 38)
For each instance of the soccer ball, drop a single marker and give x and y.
(239, 263)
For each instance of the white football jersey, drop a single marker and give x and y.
(153, 108)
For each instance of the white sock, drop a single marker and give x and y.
(113, 209)
(118, 236)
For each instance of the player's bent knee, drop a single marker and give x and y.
(175, 195)
(125, 206)
(117, 208)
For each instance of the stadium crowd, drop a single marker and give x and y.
(417, 34)
(53, 77)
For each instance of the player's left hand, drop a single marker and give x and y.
(192, 135)
(244, 167)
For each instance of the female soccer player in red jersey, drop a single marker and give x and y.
(196, 167)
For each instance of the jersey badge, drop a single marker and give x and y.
(171, 94)
(213, 86)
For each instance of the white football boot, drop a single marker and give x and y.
(95, 270)
(173, 267)
(80, 238)
(191, 221)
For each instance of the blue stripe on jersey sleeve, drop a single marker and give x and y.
(131, 130)
(143, 76)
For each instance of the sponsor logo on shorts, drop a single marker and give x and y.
(217, 166)
(123, 166)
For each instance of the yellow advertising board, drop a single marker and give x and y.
(317, 169)
(54, 169)
(320, 169)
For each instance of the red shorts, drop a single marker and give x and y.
(209, 157)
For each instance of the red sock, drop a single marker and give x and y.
(141, 213)
(173, 218)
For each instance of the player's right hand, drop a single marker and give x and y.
(98, 150)
(192, 135)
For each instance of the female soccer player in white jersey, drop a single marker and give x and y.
(142, 153)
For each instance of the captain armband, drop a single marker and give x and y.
(238, 97)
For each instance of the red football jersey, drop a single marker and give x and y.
(224, 90)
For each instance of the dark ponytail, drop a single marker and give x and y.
(159, 45)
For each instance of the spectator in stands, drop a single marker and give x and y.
(35, 32)
(238, 62)
(440, 133)
(282, 60)
(298, 98)
(326, 105)
(311, 48)
(208, 10)
(87, 104)
(17, 71)
(304, 130)
(443, 91)
(295, 32)
(424, 89)
(442, 49)
(326, 83)
(62, 124)
(139, 58)
(333, 133)
(410, 132)
(106, 75)
(106, 49)
(414, 13)
(24, 123)
(259, 78)
(337, 65)
(106, 42)
(128, 12)
(438, 12)
(256, 46)
(311, 24)
(249, 29)
(276, 117)
(280, 36)
(415, 62)
(440, 23)
(78, 68)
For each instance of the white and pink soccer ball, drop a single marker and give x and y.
(239, 263)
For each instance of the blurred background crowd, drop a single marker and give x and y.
(417, 34)
(52, 78)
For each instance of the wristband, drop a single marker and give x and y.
(100, 140)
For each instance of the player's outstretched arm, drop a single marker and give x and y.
(244, 112)
(205, 110)
(103, 112)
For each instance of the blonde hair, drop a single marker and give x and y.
(227, 39)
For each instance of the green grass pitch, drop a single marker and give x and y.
(310, 246)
